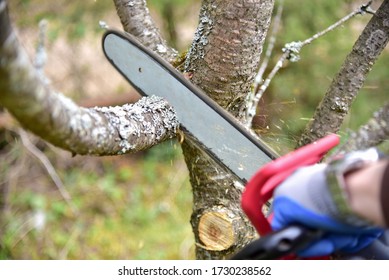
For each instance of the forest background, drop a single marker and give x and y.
(138, 206)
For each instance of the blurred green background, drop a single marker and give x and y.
(138, 206)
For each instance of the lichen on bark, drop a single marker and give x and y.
(61, 122)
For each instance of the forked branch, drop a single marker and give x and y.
(58, 120)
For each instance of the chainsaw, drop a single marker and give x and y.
(228, 142)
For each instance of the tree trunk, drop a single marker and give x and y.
(223, 61)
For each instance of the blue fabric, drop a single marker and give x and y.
(337, 237)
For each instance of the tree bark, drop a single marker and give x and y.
(223, 60)
(224, 55)
(58, 120)
(344, 88)
(136, 20)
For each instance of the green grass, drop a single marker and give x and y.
(134, 207)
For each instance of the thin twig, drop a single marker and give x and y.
(360, 11)
(251, 105)
(276, 26)
(291, 52)
(22, 231)
(73, 236)
(40, 53)
(49, 168)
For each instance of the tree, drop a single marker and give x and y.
(223, 61)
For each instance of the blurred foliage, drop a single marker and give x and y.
(132, 207)
(138, 206)
(76, 18)
(73, 18)
(160, 4)
(172, 13)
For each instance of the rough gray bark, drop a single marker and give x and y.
(223, 61)
(225, 52)
(344, 88)
(58, 120)
(136, 20)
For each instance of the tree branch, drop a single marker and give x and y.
(291, 52)
(58, 120)
(136, 20)
(338, 99)
(373, 133)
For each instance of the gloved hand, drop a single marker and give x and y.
(304, 198)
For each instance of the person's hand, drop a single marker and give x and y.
(304, 198)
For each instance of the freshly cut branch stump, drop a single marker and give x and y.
(216, 231)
